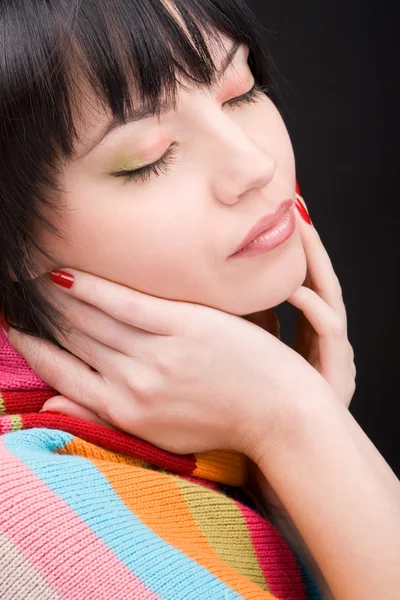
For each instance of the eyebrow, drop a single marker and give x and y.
(144, 112)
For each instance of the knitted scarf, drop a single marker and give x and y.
(90, 513)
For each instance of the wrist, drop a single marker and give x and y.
(287, 420)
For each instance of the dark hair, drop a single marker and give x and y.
(46, 48)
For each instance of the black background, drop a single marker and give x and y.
(339, 63)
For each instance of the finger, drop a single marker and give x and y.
(125, 304)
(65, 406)
(106, 330)
(322, 317)
(62, 371)
(334, 348)
(95, 354)
(323, 278)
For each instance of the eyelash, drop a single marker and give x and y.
(161, 166)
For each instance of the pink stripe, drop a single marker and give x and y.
(274, 557)
(57, 542)
(5, 424)
(15, 372)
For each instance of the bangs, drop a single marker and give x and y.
(55, 54)
(138, 46)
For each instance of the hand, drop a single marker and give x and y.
(321, 338)
(321, 333)
(183, 376)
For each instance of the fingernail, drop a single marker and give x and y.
(298, 188)
(62, 278)
(303, 211)
(5, 326)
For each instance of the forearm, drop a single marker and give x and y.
(343, 498)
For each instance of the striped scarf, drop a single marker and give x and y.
(90, 513)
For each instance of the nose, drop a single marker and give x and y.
(240, 165)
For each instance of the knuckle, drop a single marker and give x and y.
(169, 359)
(144, 386)
(130, 380)
(164, 366)
(339, 296)
(173, 361)
(337, 327)
(336, 292)
(338, 285)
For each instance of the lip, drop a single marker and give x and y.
(264, 224)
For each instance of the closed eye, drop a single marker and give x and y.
(161, 165)
(249, 97)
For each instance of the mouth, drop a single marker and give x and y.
(270, 231)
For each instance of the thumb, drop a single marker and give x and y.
(65, 406)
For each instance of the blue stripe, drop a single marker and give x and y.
(166, 571)
(311, 588)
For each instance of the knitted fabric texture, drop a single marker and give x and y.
(89, 513)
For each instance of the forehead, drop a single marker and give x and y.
(93, 116)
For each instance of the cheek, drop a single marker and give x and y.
(149, 243)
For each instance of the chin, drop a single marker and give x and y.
(269, 286)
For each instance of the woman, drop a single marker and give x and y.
(145, 165)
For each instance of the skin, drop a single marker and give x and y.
(181, 255)
(179, 249)
(171, 236)
(315, 458)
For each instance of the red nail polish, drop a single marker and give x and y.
(303, 211)
(62, 278)
(3, 324)
(298, 188)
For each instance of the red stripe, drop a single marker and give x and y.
(28, 401)
(118, 441)
(276, 559)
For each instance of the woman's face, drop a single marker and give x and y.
(171, 235)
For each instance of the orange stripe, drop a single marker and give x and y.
(80, 447)
(155, 498)
(223, 466)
